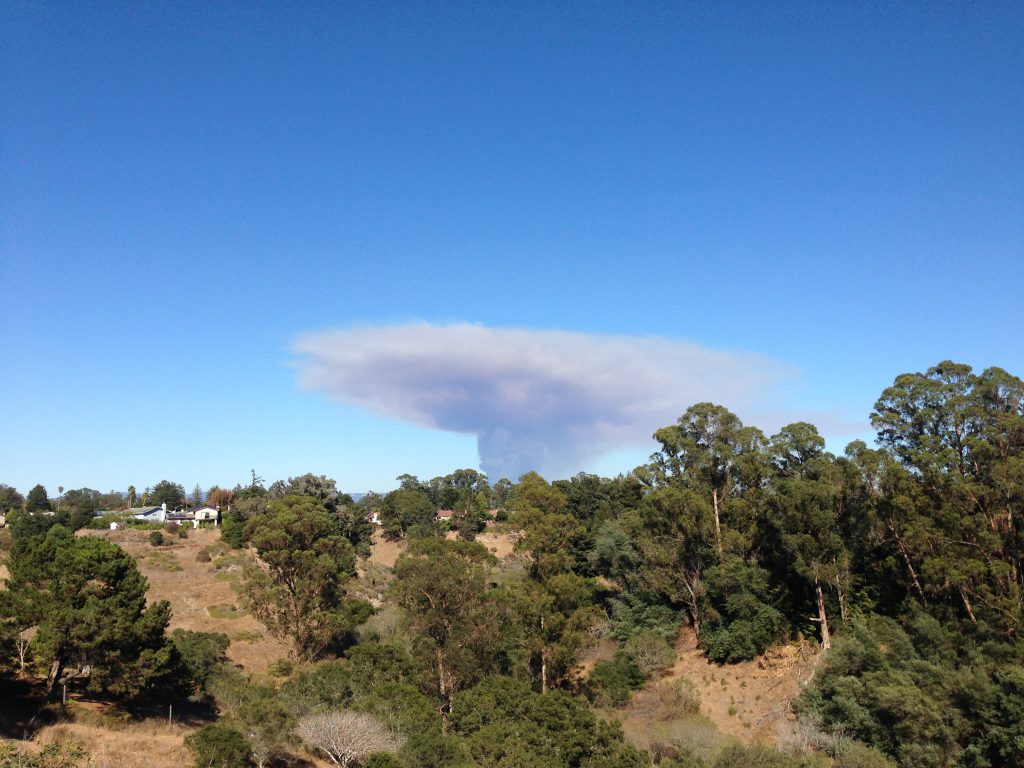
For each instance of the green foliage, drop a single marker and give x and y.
(156, 538)
(383, 760)
(63, 755)
(10, 499)
(921, 694)
(739, 622)
(611, 683)
(323, 688)
(37, 501)
(642, 610)
(757, 756)
(408, 511)
(455, 618)
(504, 723)
(613, 553)
(220, 746)
(300, 596)
(201, 653)
(88, 601)
(166, 492)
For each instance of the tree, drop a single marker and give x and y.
(320, 487)
(961, 436)
(347, 737)
(549, 534)
(506, 724)
(196, 498)
(10, 499)
(300, 593)
(37, 500)
(443, 587)
(556, 615)
(87, 600)
(80, 505)
(166, 492)
(805, 506)
(219, 746)
(220, 498)
(677, 543)
(707, 449)
(407, 511)
(471, 515)
(201, 653)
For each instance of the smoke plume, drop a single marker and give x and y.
(542, 400)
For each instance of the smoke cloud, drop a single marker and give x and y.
(541, 400)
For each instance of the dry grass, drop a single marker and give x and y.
(749, 701)
(198, 586)
(385, 552)
(146, 744)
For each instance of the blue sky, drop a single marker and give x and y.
(187, 190)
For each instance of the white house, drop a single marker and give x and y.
(150, 514)
(205, 514)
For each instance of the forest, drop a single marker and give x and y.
(898, 564)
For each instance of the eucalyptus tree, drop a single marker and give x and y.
(961, 436)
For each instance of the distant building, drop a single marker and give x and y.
(149, 514)
(205, 514)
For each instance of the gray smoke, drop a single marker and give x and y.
(541, 400)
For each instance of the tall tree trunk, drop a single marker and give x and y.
(442, 687)
(906, 559)
(826, 637)
(718, 523)
(967, 605)
(694, 607)
(543, 661)
(844, 611)
(56, 670)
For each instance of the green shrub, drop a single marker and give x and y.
(281, 668)
(156, 538)
(611, 683)
(219, 745)
(201, 653)
(226, 611)
(383, 760)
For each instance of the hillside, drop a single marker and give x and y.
(748, 701)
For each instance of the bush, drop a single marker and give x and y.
(383, 760)
(613, 682)
(219, 745)
(63, 755)
(203, 555)
(281, 668)
(201, 653)
(156, 539)
(742, 623)
(757, 756)
(171, 526)
(650, 651)
(681, 696)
